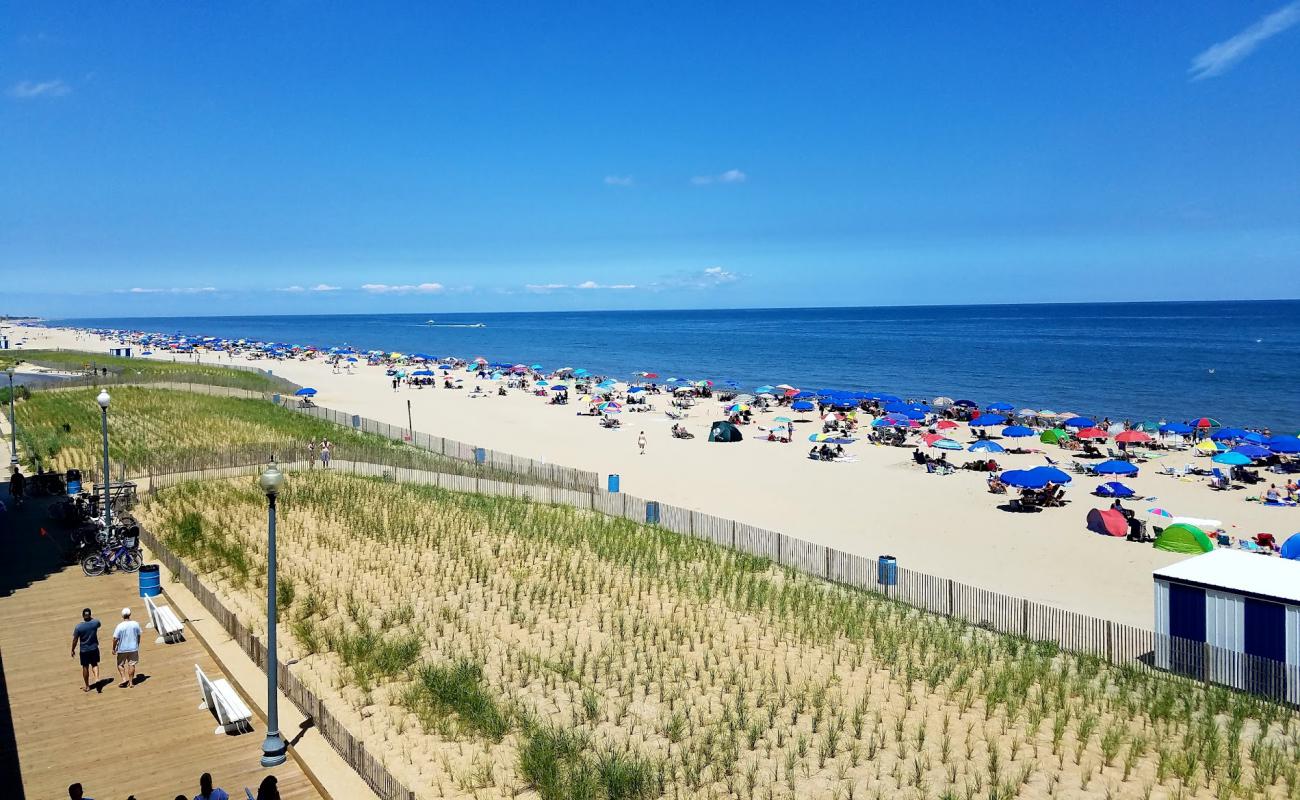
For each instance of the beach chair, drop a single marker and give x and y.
(1218, 480)
(164, 620)
(219, 697)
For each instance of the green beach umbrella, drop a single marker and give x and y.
(1053, 436)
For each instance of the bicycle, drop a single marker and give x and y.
(121, 556)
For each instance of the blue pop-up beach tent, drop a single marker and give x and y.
(1291, 547)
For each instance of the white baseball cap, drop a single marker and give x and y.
(126, 612)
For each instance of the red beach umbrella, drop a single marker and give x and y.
(1132, 437)
(1206, 422)
(946, 425)
(1092, 433)
(931, 438)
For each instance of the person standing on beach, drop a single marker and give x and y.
(311, 453)
(85, 639)
(640, 442)
(126, 646)
(325, 454)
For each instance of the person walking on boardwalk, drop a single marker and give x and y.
(85, 640)
(640, 442)
(17, 487)
(325, 453)
(206, 792)
(126, 646)
(311, 453)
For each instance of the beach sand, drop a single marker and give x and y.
(948, 526)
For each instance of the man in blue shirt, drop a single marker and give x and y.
(85, 639)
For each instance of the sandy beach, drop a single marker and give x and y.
(945, 525)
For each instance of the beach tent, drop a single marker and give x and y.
(1183, 538)
(1107, 522)
(1114, 489)
(1291, 547)
(1053, 436)
(724, 432)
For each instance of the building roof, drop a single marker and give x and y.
(1241, 572)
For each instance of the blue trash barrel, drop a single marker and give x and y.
(275, 399)
(480, 455)
(887, 571)
(356, 420)
(613, 484)
(150, 584)
(652, 512)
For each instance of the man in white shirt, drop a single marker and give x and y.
(126, 645)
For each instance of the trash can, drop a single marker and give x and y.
(887, 571)
(150, 582)
(73, 478)
(652, 512)
(613, 484)
(275, 399)
(356, 420)
(480, 455)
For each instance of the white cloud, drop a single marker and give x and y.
(27, 90)
(406, 288)
(1219, 58)
(173, 290)
(325, 287)
(730, 176)
(291, 289)
(702, 279)
(543, 288)
(618, 180)
(718, 275)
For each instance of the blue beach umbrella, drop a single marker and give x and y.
(986, 447)
(423, 373)
(1283, 444)
(559, 387)
(1229, 434)
(1176, 427)
(306, 391)
(1017, 431)
(999, 406)
(1079, 422)
(946, 444)
(985, 420)
(1116, 467)
(1232, 459)
(635, 390)
(966, 403)
(1052, 474)
(542, 383)
(802, 405)
(445, 367)
(765, 389)
(351, 359)
(1024, 479)
(1252, 451)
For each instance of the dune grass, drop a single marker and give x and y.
(166, 429)
(489, 646)
(147, 370)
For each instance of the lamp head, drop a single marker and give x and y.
(103, 399)
(271, 480)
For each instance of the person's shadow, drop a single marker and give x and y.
(99, 685)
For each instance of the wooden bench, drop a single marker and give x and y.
(164, 620)
(224, 702)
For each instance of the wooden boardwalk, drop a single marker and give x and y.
(151, 740)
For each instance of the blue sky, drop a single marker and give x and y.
(308, 157)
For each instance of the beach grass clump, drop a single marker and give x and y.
(143, 370)
(163, 430)
(492, 646)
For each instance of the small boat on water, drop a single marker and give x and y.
(455, 324)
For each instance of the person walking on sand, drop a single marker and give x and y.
(640, 442)
(206, 792)
(311, 453)
(85, 640)
(75, 792)
(126, 646)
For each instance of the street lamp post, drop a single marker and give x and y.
(103, 401)
(273, 748)
(13, 422)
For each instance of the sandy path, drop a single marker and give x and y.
(943, 525)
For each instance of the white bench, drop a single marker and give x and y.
(224, 702)
(164, 620)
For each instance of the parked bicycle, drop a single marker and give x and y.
(121, 552)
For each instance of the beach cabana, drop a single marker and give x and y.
(724, 432)
(1114, 489)
(1183, 538)
(1232, 618)
(1107, 522)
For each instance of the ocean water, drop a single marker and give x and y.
(1238, 362)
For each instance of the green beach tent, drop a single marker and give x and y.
(1183, 538)
(1054, 436)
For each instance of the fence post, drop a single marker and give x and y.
(1110, 646)
(1024, 618)
(952, 604)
